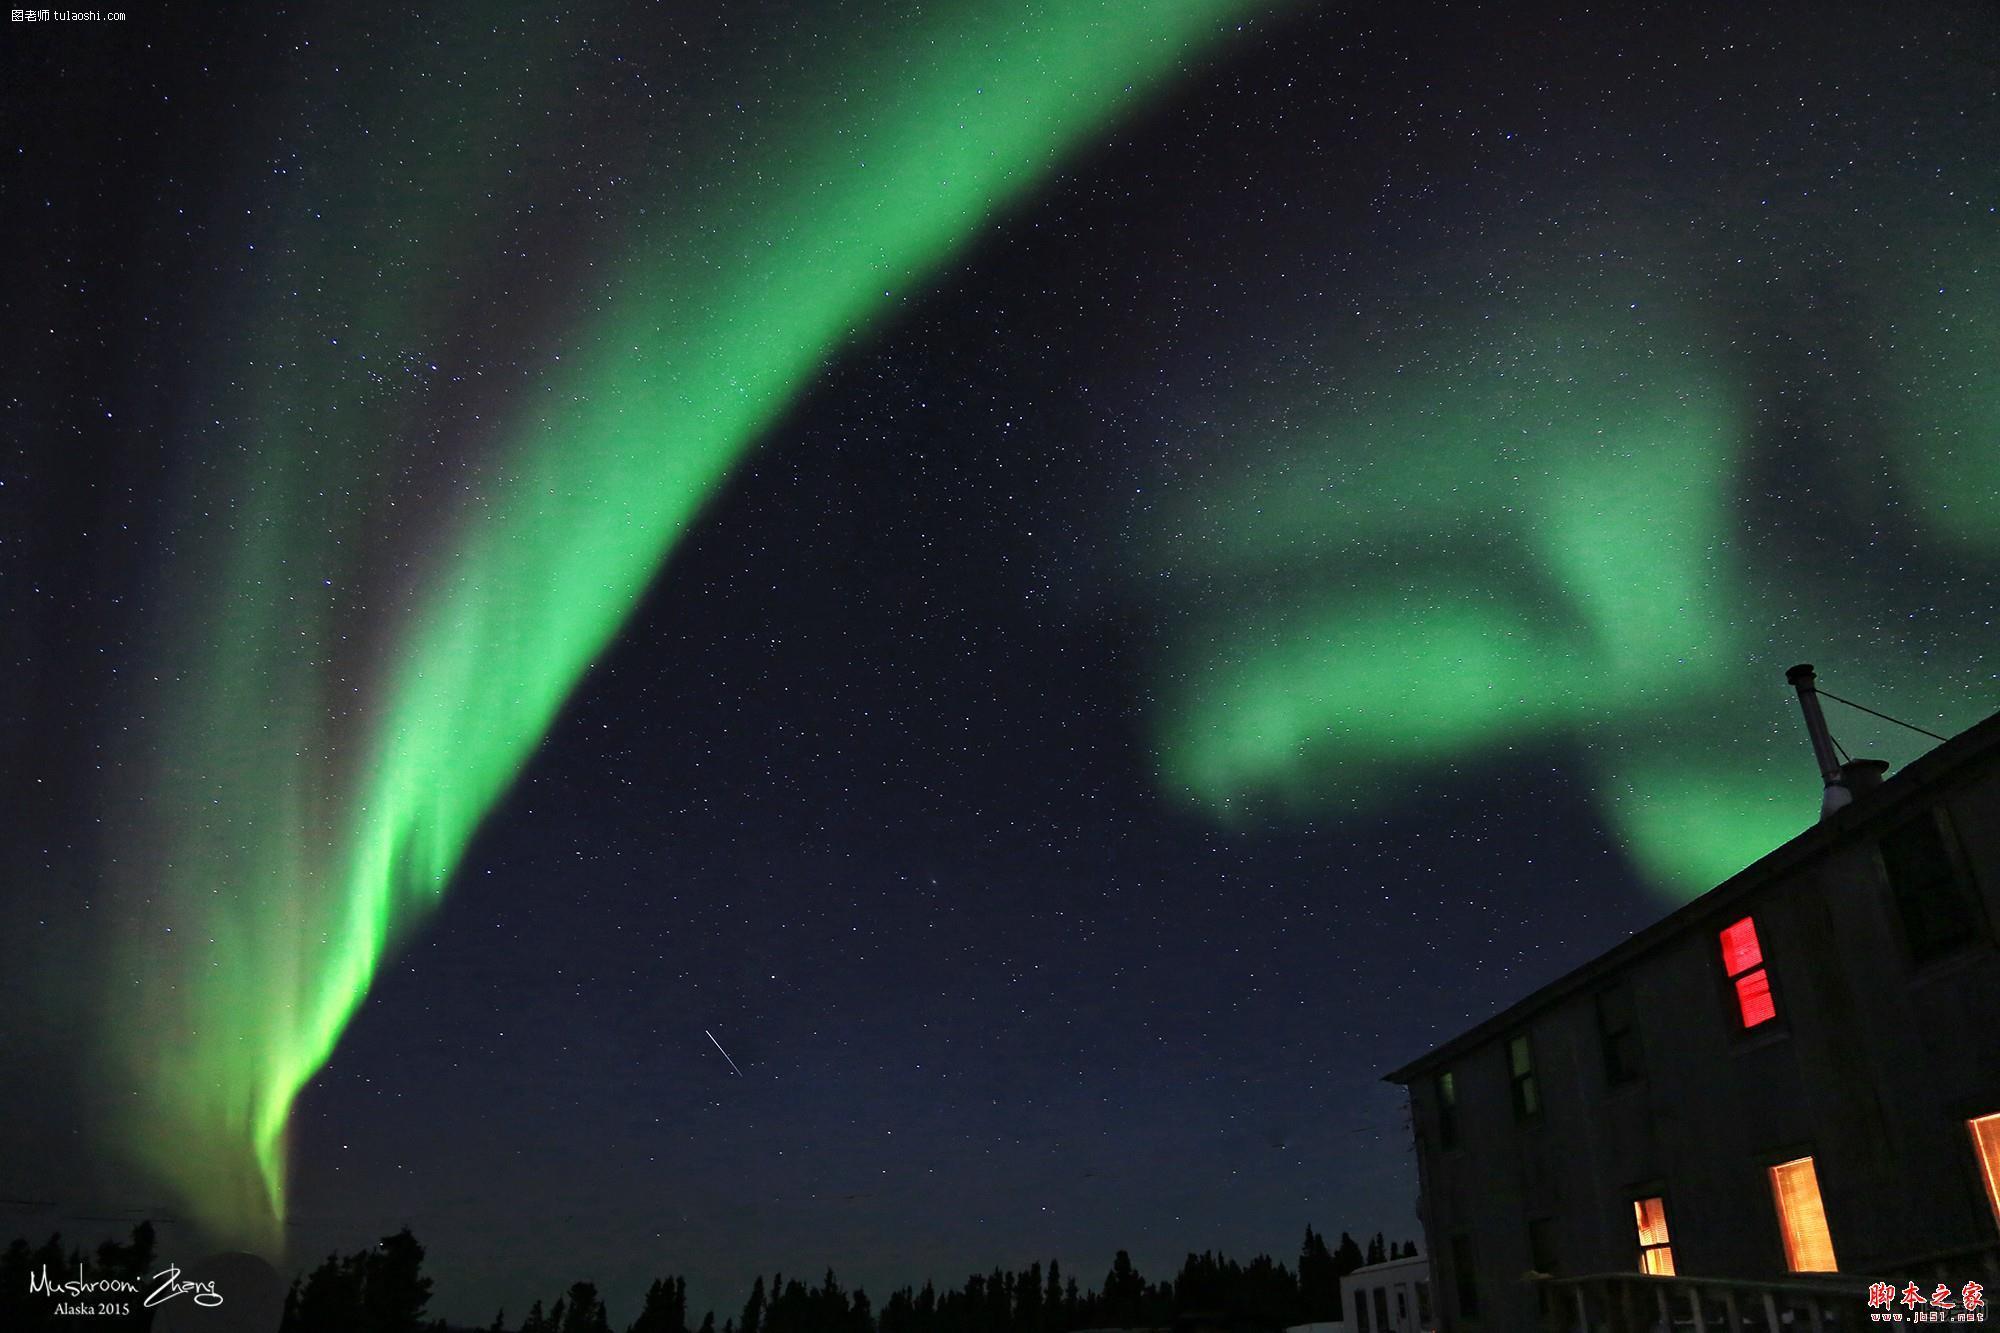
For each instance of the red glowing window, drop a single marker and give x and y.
(1740, 949)
(1753, 998)
(1743, 961)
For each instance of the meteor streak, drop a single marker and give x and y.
(395, 577)
(725, 1054)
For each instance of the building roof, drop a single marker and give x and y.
(1934, 769)
(1389, 1267)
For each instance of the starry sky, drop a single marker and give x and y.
(1067, 583)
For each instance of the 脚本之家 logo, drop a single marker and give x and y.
(1939, 1307)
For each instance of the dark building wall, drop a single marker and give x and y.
(1872, 1068)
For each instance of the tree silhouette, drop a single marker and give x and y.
(1319, 1279)
(384, 1290)
(32, 1312)
(586, 1313)
(329, 1299)
(665, 1310)
(395, 1291)
(1124, 1292)
(753, 1310)
(36, 1311)
(133, 1262)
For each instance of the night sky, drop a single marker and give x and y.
(1067, 583)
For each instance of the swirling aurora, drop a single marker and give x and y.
(1529, 486)
(317, 796)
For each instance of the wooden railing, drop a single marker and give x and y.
(1950, 1267)
(1642, 1303)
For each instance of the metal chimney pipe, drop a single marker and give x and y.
(1862, 775)
(1837, 794)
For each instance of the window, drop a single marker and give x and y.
(1447, 1097)
(1618, 1030)
(1521, 1068)
(1937, 912)
(1656, 1250)
(1542, 1244)
(1986, 1147)
(1382, 1309)
(1542, 1256)
(1743, 963)
(1424, 1303)
(1402, 1306)
(1802, 1219)
(1461, 1274)
(1361, 1309)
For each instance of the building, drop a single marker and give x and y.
(1797, 1073)
(1392, 1297)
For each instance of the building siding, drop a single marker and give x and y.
(1872, 1068)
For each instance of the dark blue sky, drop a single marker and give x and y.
(865, 790)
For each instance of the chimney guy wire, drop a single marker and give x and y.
(1884, 716)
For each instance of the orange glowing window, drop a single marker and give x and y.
(1656, 1251)
(1986, 1143)
(1743, 961)
(1802, 1218)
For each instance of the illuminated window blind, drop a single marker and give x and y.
(1656, 1251)
(1741, 949)
(1802, 1218)
(1986, 1143)
(1743, 963)
(1753, 998)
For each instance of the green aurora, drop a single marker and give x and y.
(1550, 524)
(1525, 527)
(336, 717)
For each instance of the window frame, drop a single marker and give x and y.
(1636, 1200)
(1523, 1085)
(1958, 875)
(1542, 1247)
(1445, 1089)
(1730, 981)
(1773, 1165)
(1543, 1257)
(1617, 1075)
(1464, 1285)
(1986, 1167)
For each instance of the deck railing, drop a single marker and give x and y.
(1643, 1303)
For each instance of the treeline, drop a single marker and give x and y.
(384, 1290)
(1211, 1292)
(23, 1306)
